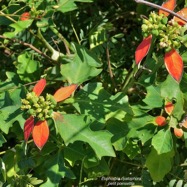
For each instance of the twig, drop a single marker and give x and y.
(27, 45)
(161, 8)
(109, 67)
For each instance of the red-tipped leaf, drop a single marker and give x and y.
(64, 92)
(174, 64)
(40, 133)
(182, 13)
(28, 127)
(170, 4)
(169, 107)
(39, 87)
(143, 49)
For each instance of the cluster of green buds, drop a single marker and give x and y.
(167, 32)
(38, 106)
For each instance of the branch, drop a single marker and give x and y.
(27, 45)
(161, 8)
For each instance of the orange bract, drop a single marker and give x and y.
(174, 64)
(178, 132)
(25, 16)
(64, 92)
(160, 120)
(170, 4)
(40, 133)
(182, 13)
(39, 87)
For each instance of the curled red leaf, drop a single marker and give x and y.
(39, 87)
(174, 64)
(143, 49)
(170, 4)
(28, 126)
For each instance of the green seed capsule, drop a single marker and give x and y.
(155, 32)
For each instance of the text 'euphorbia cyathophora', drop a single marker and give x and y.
(167, 35)
(41, 108)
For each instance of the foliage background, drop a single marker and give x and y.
(108, 127)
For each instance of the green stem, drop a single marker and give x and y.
(66, 43)
(81, 171)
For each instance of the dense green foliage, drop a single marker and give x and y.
(106, 132)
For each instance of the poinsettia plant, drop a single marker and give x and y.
(40, 109)
(166, 35)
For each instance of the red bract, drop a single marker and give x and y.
(172, 60)
(160, 121)
(40, 130)
(143, 49)
(25, 16)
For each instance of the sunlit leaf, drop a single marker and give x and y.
(162, 141)
(169, 4)
(143, 49)
(28, 126)
(174, 64)
(40, 133)
(64, 92)
(73, 128)
(39, 87)
(159, 165)
(182, 13)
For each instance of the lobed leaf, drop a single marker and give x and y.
(174, 64)
(75, 128)
(64, 92)
(143, 49)
(40, 133)
(169, 4)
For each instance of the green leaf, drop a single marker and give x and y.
(69, 5)
(94, 101)
(76, 128)
(19, 26)
(2, 170)
(27, 68)
(159, 164)
(2, 140)
(146, 133)
(56, 170)
(99, 170)
(10, 112)
(132, 149)
(162, 141)
(81, 66)
(74, 152)
(119, 130)
(170, 89)
(153, 98)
